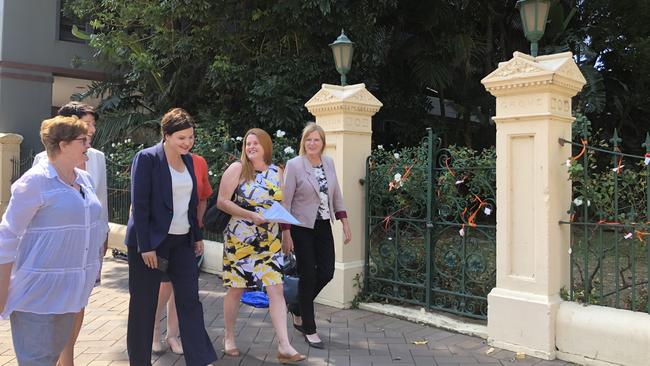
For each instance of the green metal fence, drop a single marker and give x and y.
(119, 197)
(610, 226)
(20, 166)
(433, 246)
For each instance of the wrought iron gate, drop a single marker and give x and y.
(430, 228)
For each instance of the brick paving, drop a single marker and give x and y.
(353, 337)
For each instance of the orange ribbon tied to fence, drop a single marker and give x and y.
(471, 220)
(619, 166)
(399, 181)
(641, 234)
(604, 222)
(386, 221)
(448, 168)
(582, 151)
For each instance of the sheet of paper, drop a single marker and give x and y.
(277, 213)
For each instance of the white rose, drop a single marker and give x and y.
(210, 172)
(238, 138)
(577, 201)
(280, 133)
(397, 177)
(396, 155)
(289, 150)
(380, 147)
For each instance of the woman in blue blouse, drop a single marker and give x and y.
(50, 239)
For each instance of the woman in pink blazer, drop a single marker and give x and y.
(313, 196)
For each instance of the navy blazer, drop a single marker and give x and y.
(152, 202)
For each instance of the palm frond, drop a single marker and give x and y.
(115, 126)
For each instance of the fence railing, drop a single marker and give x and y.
(610, 226)
(20, 166)
(430, 228)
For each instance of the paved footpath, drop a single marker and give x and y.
(354, 337)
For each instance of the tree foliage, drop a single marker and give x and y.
(255, 63)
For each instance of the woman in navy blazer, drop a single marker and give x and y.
(163, 224)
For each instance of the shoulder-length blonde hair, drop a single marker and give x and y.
(248, 171)
(311, 127)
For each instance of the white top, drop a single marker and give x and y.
(54, 238)
(96, 167)
(181, 194)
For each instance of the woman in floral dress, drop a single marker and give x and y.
(252, 254)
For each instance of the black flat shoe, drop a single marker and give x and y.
(296, 326)
(319, 345)
(299, 328)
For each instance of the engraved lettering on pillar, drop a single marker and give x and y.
(357, 123)
(560, 105)
(519, 105)
(329, 122)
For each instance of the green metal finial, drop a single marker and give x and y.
(615, 140)
(646, 144)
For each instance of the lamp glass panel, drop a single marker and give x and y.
(336, 50)
(542, 13)
(528, 9)
(346, 57)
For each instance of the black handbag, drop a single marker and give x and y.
(216, 220)
(291, 279)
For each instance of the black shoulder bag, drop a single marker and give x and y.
(216, 220)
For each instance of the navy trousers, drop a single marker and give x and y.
(144, 284)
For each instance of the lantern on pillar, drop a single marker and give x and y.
(342, 50)
(534, 14)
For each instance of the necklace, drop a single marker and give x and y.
(69, 178)
(67, 181)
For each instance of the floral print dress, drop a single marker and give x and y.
(324, 207)
(252, 254)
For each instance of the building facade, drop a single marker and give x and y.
(36, 66)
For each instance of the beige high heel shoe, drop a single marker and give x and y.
(157, 347)
(233, 352)
(175, 345)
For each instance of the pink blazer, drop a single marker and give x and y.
(300, 191)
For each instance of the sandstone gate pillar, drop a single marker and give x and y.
(533, 110)
(345, 113)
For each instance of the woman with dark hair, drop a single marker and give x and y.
(163, 235)
(252, 249)
(51, 237)
(313, 196)
(166, 293)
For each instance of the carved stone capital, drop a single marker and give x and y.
(524, 74)
(354, 99)
(10, 138)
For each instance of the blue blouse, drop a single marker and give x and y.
(54, 237)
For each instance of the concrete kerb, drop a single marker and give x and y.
(432, 319)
